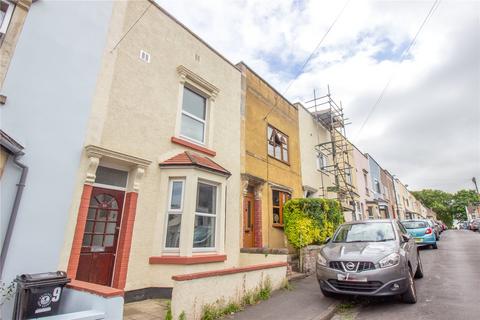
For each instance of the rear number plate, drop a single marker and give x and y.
(350, 277)
(418, 240)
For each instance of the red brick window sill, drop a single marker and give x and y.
(103, 291)
(188, 260)
(193, 146)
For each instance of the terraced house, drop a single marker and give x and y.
(271, 173)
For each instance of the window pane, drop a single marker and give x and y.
(276, 215)
(86, 240)
(194, 103)
(99, 227)
(111, 227)
(97, 240)
(108, 242)
(176, 199)
(206, 198)
(204, 233)
(102, 215)
(89, 226)
(192, 128)
(91, 214)
(112, 215)
(269, 132)
(270, 149)
(285, 155)
(173, 231)
(111, 177)
(278, 151)
(276, 197)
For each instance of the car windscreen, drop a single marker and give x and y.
(365, 232)
(414, 224)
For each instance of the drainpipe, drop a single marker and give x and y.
(16, 204)
(396, 200)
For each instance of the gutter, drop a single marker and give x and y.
(16, 205)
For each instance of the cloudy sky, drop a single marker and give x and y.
(426, 129)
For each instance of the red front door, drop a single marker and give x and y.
(99, 246)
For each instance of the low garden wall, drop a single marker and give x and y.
(197, 293)
(309, 258)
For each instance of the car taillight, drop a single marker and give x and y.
(428, 231)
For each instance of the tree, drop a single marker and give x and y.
(437, 200)
(461, 199)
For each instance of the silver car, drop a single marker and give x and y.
(371, 258)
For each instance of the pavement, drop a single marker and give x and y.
(450, 289)
(146, 310)
(303, 302)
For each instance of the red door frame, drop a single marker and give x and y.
(124, 239)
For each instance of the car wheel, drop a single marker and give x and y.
(419, 272)
(410, 296)
(434, 246)
(327, 294)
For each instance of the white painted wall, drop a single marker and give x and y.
(312, 134)
(49, 88)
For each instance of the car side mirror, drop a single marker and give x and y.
(406, 237)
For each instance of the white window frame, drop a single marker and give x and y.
(377, 184)
(348, 175)
(188, 114)
(173, 211)
(321, 157)
(216, 216)
(7, 18)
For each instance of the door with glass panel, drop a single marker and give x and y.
(99, 244)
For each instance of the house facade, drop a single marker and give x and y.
(388, 193)
(316, 179)
(271, 172)
(364, 183)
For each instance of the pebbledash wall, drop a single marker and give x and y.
(49, 86)
(136, 114)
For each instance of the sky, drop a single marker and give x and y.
(426, 128)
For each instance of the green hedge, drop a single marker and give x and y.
(311, 221)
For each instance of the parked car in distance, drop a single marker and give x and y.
(422, 232)
(370, 258)
(475, 224)
(435, 228)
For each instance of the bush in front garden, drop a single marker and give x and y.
(311, 221)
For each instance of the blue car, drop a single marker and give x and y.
(422, 232)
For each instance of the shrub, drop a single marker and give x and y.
(311, 221)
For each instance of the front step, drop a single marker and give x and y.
(293, 264)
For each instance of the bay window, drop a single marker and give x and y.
(205, 216)
(175, 208)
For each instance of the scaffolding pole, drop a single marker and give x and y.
(330, 115)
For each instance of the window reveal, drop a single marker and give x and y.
(279, 199)
(277, 144)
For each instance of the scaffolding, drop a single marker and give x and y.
(329, 114)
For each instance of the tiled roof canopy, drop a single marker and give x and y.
(191, 159)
